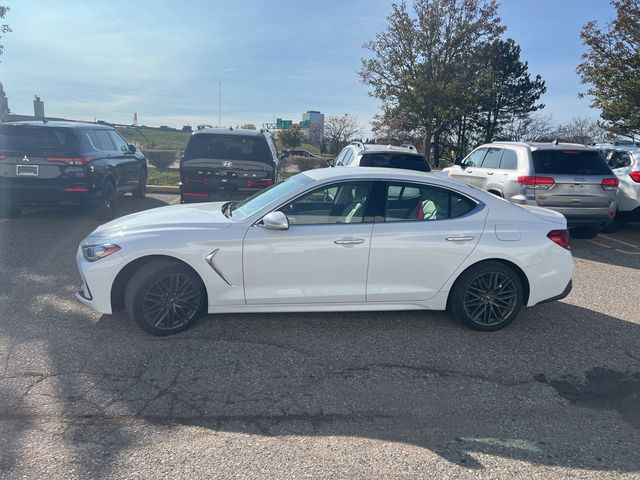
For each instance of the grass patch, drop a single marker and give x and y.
(170, 176)
(155, 139)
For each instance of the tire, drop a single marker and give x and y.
(10, 211)
(141, 191)
(585, 232)
(104, 210)
(164, 297)
(487, 296)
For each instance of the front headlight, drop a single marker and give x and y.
(95, 252)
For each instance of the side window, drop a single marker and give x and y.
(347, 157)
(118, 141)
(100, 140)
(509, 160)
(492, 158)
(272, 147)
(337, 203)
(424, 203)
(619, 160)
(341, 156)
(474, 159)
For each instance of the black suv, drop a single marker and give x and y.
(227, 164)
(45, 164)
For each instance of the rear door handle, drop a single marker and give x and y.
(489, 173)
(459, 239)
(469, 171)
(349, 241)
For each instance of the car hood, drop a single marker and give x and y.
(172, 217)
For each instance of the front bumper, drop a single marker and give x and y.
(97, 280)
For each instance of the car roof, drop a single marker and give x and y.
(58, 123)
(380, 173)
(228, 131)
(379, 148)
(539, 145)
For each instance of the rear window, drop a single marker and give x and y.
(33, 139)
(395, 160)
(570, 162)
(228, 147)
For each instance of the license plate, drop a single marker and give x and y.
(27, 170)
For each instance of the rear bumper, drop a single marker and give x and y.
(564, 294)
(46, 195)
(596, 221)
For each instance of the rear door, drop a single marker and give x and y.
(577, 178)
(427, 233)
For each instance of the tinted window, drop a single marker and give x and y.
(424, 203)
(28, 139)
(348, 157)
(492, 158)
(570, 162)
(475, 158)
(619, 159)
(118, 141)
(100, 140)
(337, 203)
(341, 156)
(228, 147)
(395, 160)
(509, 160)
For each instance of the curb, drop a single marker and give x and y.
(163, 189)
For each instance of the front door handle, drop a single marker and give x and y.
(349, 241)
(469, 171)
(459, 239)
(489, 173)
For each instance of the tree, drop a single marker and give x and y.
(530, 128)
(4, 28)
(422, 64)
(610, 67)
(505, 88)
(338, 130)
(291, 137)
(582, 130)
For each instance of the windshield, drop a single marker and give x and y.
(570, 162)
(257, 202)
(395, 160)
(36, 139)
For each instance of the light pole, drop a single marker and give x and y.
(219, 103)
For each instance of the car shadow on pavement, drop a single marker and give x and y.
(621, 248)
(556, 388)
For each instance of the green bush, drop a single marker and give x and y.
(307, 163)
(161, 159)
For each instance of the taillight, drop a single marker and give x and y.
(263, 182)
(194, 181)
(561, 237)
(542, 183)
(610, 183)
(71, 160)
(635, 176)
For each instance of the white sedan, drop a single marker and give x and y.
(331, 240)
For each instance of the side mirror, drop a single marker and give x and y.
(275, 221)
(132, 148)
(330, 162)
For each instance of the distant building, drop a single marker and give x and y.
(4, 104)
(313, 126)
(187, 129)
(38, 107)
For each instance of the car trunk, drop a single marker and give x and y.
(224, 174)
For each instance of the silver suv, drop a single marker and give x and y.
(358, 154)
(571, 179)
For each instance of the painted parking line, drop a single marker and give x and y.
(174, 201)
(619, 241)
(609, 247)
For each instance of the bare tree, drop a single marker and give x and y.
(532, 128)
(583, 130)
(338, 130)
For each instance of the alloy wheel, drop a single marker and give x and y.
(172, 301)
(490, 298)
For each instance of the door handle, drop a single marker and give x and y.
(489, 173)
(349, 241)
(459, 239)
(469, 171)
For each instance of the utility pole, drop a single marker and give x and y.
(220, 103)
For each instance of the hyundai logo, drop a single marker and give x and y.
(25, 159)
(227, 164)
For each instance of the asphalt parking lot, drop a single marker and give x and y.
(344, 395)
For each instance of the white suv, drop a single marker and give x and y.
(625, 163)
(358, 154)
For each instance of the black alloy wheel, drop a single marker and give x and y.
(164, 297)
(487, 297)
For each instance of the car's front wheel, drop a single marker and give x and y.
(164, 297)
(487, 296)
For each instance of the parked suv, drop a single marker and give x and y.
(227, 164)
(358, 154)
(571, 179)
(66, 164)
(624, 161)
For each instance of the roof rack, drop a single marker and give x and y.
(359, 144)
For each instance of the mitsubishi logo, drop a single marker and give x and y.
(25, 159)
(227, 163)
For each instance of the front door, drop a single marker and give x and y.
(321, 258)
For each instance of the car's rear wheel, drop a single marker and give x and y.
(10, 211)
(141, 190)
(164, 297)
(104, 210)
(487, 296)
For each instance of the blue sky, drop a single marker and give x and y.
(107, 59)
